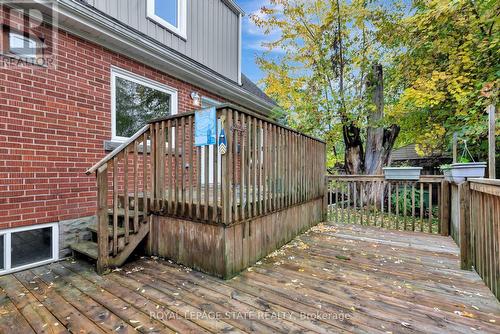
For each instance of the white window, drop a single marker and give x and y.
(13, 43)
(170, 14)
(28, 246)
(22, 45)
(135, 101)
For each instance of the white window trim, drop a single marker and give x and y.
(181, 18)
(121, 73)
(8, 247)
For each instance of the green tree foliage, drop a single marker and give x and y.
(447, 69)
(322, 74)
(440, 60)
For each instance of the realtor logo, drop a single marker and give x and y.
(28, 35)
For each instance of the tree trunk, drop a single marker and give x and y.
(375, 132)
(379, 141)
(353, 156)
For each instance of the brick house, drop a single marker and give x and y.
(114, 65)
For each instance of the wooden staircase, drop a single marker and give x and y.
(125, 180)
(126, 239)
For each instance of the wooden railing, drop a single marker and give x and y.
(481, 230)
(403, 205)
(267, 167)
(123, 178)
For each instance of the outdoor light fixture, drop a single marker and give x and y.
(196, 99)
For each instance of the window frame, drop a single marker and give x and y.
(180, 30)
(126, 75)
(7, 235)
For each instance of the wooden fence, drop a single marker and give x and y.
(480, 230)
(403, 205)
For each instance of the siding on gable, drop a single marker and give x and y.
(212, 31)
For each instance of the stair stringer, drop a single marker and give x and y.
(133, 241)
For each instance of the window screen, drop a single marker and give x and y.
(136, 104)
(31, 246)
(167, 10)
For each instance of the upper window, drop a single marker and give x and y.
(136, 101)
(170, 14)
(18, 44)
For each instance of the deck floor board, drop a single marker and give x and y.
(332, 279)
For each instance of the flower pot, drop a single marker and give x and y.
(462, 171)
(447, 173)
(402, 173)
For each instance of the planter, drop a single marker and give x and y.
(402, 173)
(447, 173)
(462, 171)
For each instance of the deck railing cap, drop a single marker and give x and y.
(117, 150)
(361, 177)
(235, 107)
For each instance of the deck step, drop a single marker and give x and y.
(120, 230)
(87, 248)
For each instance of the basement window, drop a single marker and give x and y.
(135, 101)
(170, 14)
(28, 246)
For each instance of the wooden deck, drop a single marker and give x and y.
(331, 279)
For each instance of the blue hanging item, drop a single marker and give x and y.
(205, 127)
(222, 142)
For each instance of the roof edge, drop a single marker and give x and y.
(234, 6)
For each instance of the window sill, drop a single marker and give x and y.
(181, 33)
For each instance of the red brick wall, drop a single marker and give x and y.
(53, 125)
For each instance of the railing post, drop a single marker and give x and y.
(102, 219)
(325, 199)
(491, 142)
(455, 147)
(464, 221)
(225, 172)
(445, 208)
